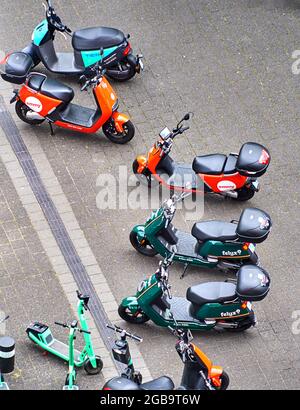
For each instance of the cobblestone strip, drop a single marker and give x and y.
(71, 256)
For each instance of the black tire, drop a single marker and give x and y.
(22, 110)
(138, 318)
(224, 381)
(244, 194)
(119, 138)
(243, 324)
(144, 248)
(90, 369)
(126, 73)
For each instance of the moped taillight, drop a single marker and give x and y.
(264, 158)
(127, 49)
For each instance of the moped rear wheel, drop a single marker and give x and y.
(88, 367)
(244, 194)
(116, 137)
(137, 317)
(122, 72)
(24, 112)
(142, 247)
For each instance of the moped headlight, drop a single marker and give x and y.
(115, 106)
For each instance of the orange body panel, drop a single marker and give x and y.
(104, 94)
(218, 183)
(214, 372)
(38, 102)
(223, 183)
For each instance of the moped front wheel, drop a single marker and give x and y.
(144, 247)
(137, 317)
(145, 177)
(224, 381)
(116, 137)
(88, 367)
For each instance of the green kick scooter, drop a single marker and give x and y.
(41, 334)
(71, 376)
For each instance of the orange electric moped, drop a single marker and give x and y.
(233, 175)
(44, 99)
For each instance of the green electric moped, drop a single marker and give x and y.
(41, 334)
(226, 305)
(211, 244)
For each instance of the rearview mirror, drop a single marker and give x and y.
(186, 117)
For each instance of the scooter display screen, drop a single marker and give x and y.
(165, 133)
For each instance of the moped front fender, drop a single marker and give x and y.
(140, 231)
(131, 303)
(119, 120)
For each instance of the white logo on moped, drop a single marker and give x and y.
(34, 104)
(226, 186)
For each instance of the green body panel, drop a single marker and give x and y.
(218, 311)
(224, 250)
(214, 249)
(40, 32)
(149, 290)
(93, 56)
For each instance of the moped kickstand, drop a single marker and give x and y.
(184, 270)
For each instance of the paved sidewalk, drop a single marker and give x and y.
(230, 63)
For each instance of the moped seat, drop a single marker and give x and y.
(51, 88)
(96, 37)
(161, 383)
(211, 292)
(215, 231)
(209, 164)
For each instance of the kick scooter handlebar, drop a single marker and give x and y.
(124, 332)
(72, 326)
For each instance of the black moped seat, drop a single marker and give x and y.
(51, 88)
(215, 231)
(209, 164)
(96, 37)
(161, 383)
(211, 292)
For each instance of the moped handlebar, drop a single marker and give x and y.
(4, 319)
(126, 334)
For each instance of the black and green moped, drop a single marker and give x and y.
(211, 244)
(226, 305)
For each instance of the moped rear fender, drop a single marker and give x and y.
(131, 303)
(140, 231)
(119, 119)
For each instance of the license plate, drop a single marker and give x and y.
(255, 185)
(251, 247)
(141, 65)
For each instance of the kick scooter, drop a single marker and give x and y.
(41, 335)
(199, 373)
(71, 376)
